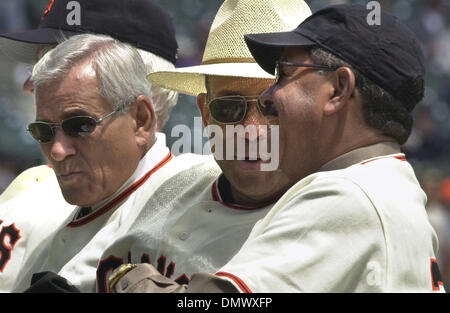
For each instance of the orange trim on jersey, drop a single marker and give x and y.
(398, 157)
(121, 197)
(239, 282)
(49, 165)
(216, 197)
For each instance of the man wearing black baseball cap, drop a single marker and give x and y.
(343, 99)
(354, 219)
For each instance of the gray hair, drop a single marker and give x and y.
(380, 109)
(120, 70)
(164, 100)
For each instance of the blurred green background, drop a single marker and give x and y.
(428, 149)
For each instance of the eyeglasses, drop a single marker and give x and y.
(230, 109)
(76, 126)
(279, 64)
(233, 109)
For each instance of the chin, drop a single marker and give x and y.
(78, 198)
(254, 183)
(256, 194)
(76, 201)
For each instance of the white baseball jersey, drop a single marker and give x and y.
(362, 228)
(185, 228)
(31, 209)
(75, 249)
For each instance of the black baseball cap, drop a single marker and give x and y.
(388, 54)
(141, 23)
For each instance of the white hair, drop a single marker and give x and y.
(119, 68)
(163, 99)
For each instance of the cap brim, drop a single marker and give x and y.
(267, 48)
(22, 46)
(191, 80)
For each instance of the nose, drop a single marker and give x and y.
(61, 147)
(268, 106)
(28, 85)
(266, 95)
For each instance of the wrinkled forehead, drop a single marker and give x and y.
(227, 85)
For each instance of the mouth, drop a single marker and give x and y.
(68, 176)
(250, 164)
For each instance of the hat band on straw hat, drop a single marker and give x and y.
(229, 60)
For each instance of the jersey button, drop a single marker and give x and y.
(183, 236)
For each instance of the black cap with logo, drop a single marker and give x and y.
(141, 23)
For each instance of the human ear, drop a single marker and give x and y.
(145, 119)
(203, 107)
(343, 83)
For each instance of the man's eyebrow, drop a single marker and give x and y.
(77, 111)
(67, 114)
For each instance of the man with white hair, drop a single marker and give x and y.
(96, 125)
(143, 24)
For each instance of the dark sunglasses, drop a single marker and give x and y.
(279, 64)
(76, 126)
(232, 109)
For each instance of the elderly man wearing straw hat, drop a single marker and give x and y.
(217, 215)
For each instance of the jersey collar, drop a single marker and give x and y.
(363, 155)
(221, 192)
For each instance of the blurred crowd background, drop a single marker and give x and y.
(428, 149)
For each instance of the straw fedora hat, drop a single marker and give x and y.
(226, 53)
